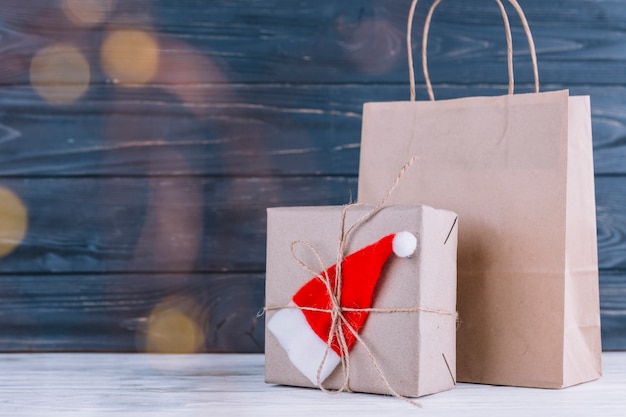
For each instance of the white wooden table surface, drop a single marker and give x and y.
(232, 385)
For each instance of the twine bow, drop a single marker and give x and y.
(336, 310)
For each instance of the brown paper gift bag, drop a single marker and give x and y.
(518, 170)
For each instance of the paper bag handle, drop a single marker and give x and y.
(429, 87)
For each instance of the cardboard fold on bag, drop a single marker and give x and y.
(518, 170)
(416, 350)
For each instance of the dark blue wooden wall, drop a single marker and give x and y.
(146, 203)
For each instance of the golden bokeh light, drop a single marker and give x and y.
(87, 12)
(13, 221)
(130, 57)
(60, 74)
(172, 331)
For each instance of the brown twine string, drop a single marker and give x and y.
(338, 319)
(368, 310)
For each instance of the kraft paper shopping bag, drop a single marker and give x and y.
(518, 169)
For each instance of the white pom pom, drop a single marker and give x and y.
(404, 244)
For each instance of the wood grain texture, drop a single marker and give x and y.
(197, 224)
(331, 42)
(230, 130)
(253, 104)
(612, 296)
(611, 220)
(73, 385)
(95, 312)
(157, 224)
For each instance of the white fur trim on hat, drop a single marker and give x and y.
(404, 244)
(303, 346)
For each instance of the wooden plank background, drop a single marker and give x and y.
(146, 204)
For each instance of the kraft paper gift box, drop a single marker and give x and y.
(415, 349)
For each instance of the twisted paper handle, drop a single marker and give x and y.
(509, 41)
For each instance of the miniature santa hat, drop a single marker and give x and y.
(304, 334)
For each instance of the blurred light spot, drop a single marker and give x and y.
(13, 221)
(130, 57)
(172, 331)
(59, 73)
(87, 12)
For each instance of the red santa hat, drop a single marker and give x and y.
(304, 334)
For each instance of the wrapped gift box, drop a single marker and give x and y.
(416, 349)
